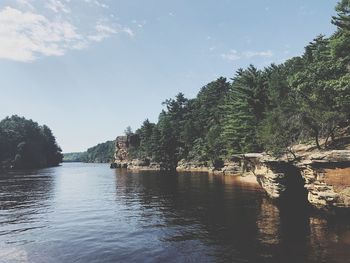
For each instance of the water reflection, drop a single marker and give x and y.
(232, 220)
(24, 197)
(89, 213)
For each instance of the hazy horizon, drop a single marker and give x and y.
(88, 69)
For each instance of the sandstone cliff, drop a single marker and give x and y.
(320, 178)
(323, 177)
(123, 160)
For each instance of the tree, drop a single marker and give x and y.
(25, 144)
(244, 110)
(128, 131)
(306, 98)
(321, 103)
(342, 20)
(169, 148)
(340, 42)
(145, 133)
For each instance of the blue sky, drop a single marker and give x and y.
(90, 68)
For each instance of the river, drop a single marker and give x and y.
(90, 213)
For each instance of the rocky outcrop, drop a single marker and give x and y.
(194, 166)
(229, 167)
(320, 178)
(327, 179)
(122, 159)
(121, 152)
(323, 177)
(144, 165)
(137, 165)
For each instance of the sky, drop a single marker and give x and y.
(90, 68)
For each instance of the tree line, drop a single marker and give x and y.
(26, 144)
(306, 98)
(101, 153)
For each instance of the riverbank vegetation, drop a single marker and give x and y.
(26, 144)
(306, 98)
(101, 153)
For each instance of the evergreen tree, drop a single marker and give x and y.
(25, 144)
(244, 110)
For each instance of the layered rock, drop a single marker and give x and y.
(325, 175)
(327, 179)
(121, 152)
(123, 160)
(321, 178)
(194, 166)
(229, 167)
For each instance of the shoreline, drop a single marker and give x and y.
(246, 177)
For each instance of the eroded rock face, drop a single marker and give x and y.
(122, 159)
(325, 175)
(273, 182)
(121, 146)
(193, 166)
(322, 178)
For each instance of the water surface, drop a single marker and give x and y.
(89, 213)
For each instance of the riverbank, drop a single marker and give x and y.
(320, 178)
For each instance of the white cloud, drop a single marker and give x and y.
(128, 31)
(103, 30)
(57, 6)
(139, 24)
(25, 35)
(251, 54)
(25, 3)
(28, 32)
(233, 54)
(97, 3)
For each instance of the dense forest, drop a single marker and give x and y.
(307, 98)
(101, 153)
(26, 144)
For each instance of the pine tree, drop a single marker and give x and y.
(244, 109)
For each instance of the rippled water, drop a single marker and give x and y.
(89, 213)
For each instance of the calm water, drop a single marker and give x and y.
(89, 213)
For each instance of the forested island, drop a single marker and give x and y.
(101, 153)
(305, 99)
(25, 144)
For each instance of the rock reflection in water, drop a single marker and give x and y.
(89, 213)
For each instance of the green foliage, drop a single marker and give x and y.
(146, 131)
(74, 157)
(280, 130)
(342, 20)
(306, 98)
(320, 99)
(128, 131)
(340, 42)
(25, 144)
(244, 110)
(101, 153)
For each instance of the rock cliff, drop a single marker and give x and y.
(319, 178)
(121, 152)
(322, 177)
(123, 160)
(327, 178)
